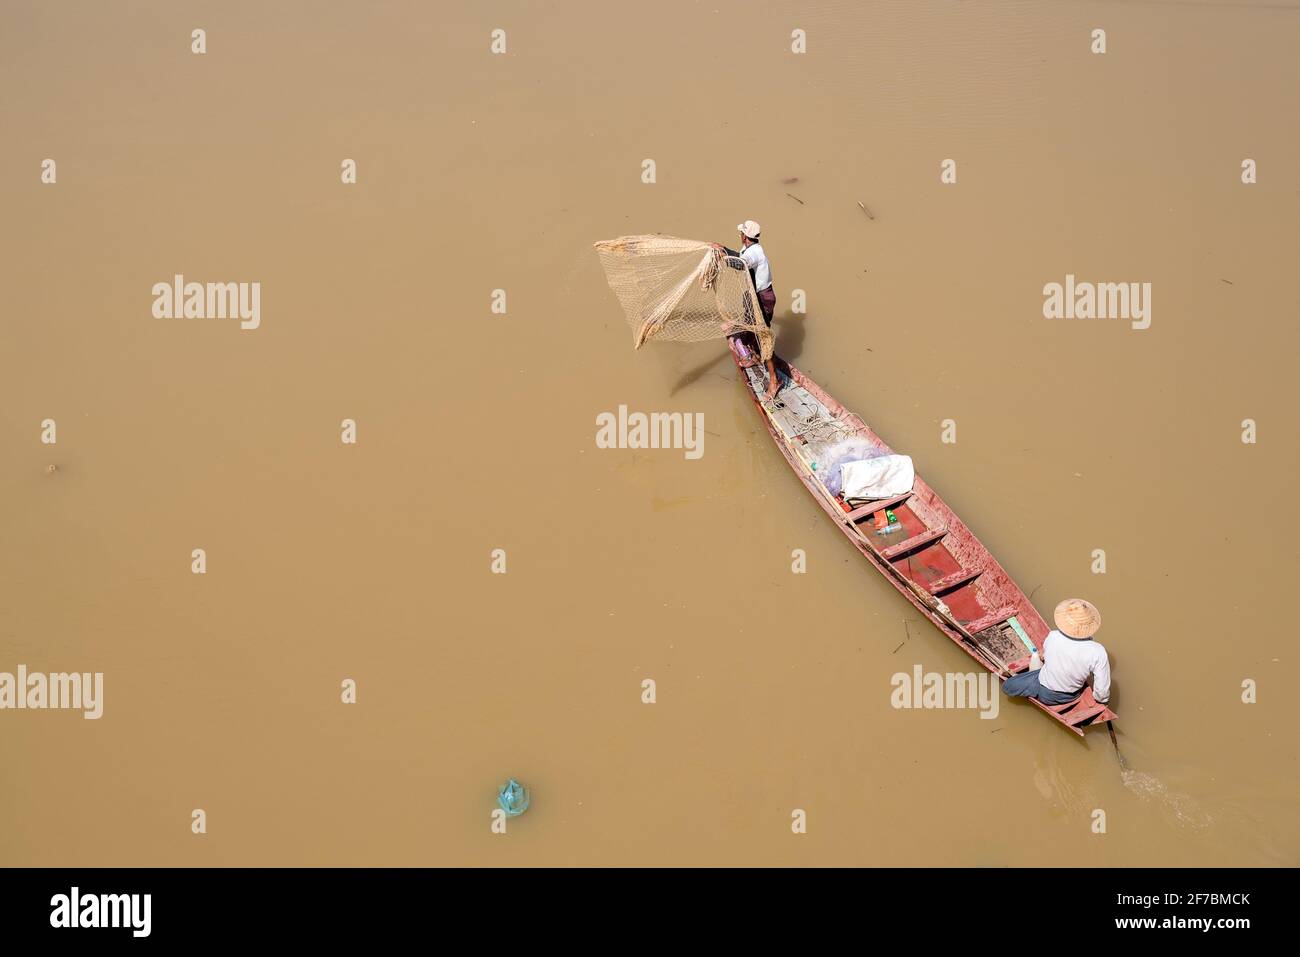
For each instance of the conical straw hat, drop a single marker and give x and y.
(1077, 618)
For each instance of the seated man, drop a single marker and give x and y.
(1070, 658)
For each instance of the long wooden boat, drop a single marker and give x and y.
(934, 559)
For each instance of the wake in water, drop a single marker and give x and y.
(1185, 810)
(1218, 829)
(1059, 783)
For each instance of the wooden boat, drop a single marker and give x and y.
(934, 559)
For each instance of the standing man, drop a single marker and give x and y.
(755, 259)
(1070, 658)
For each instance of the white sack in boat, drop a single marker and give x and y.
(882, 477)
(846, 450)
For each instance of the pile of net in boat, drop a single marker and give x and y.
(682, 290)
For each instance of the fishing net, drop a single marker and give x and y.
(682, 290)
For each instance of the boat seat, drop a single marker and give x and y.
(864, 512)
(988, 621)
(1082, 709)
(958, 579)
(1020, 664)
(914, 543)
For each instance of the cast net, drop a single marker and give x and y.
(682, 290)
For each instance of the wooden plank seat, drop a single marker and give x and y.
(929, 536)
(864, 512)
(963, 576)
(1081, 709)
(988, 621)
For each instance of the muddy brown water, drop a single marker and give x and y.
(476, 430)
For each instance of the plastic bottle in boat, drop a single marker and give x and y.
(891, 527)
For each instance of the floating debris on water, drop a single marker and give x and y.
(51, 469)
(513, 798)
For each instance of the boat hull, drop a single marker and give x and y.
(934, 560)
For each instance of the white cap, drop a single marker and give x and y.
(750, 228)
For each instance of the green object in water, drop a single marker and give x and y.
(513, 798)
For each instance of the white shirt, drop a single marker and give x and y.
(756, 260)
(1067, 663)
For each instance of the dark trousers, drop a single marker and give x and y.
(767, 303)
(1026, 685)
